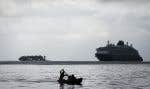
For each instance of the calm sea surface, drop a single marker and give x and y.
(102, 76)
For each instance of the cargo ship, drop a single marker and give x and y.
(118, 52)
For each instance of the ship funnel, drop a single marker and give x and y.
(120, 43)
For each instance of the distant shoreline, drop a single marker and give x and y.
(69, 62)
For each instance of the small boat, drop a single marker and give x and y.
(77, 81)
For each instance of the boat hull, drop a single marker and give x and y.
(71, 82)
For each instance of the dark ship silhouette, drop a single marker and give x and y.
(119, 52)
(32, 58)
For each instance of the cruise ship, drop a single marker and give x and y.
(32, 58)
(118, 52)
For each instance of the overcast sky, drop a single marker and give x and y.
(71, 29)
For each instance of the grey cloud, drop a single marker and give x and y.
(123, 1)
(21, 9)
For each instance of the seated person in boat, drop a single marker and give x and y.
(71, 78)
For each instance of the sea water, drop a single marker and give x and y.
(100, 76)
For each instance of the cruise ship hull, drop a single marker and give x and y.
(109, 57)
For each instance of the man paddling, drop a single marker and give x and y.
(71, 79)
(62, 74)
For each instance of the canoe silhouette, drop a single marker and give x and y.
(77, 81)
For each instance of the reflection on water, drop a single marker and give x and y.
(104, 76)
(62, 86)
